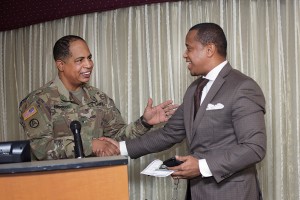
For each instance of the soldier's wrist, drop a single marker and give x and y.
(145, 124)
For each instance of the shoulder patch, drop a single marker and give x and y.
(34, 123)
(29, 112)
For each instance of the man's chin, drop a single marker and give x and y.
(85, 81)
(193, 73)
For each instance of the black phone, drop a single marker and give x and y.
(171, 162)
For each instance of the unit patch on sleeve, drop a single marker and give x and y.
(29, 112)
(34, 123)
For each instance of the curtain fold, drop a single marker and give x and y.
(137, 53)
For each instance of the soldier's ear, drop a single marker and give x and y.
(60, 65)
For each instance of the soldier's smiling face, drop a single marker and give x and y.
(77, 68)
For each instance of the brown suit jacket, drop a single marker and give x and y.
(230, 136)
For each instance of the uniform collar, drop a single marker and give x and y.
(62, 90)
(65, 94)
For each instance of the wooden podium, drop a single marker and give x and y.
(94, 178)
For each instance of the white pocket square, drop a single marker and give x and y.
(218, 106)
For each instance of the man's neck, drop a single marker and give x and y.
(70, 87)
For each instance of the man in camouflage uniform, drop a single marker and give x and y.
(46, 113)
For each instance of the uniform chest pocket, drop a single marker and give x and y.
(61, 118)
(91, 121)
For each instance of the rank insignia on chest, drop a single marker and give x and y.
(29, 112)
(62, 107)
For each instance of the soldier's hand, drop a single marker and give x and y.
(104, 148)
(114, 142)
(160, 113)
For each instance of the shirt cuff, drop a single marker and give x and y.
(204, 169)
(123, 148)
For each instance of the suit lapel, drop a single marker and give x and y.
(210, 95)
(189, 108)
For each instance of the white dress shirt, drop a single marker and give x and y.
(211, 76)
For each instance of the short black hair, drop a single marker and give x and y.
(61, 47)
(211, 33)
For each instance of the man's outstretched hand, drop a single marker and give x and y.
(161, 113)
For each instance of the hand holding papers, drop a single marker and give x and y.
(158, 168)
(154, 169)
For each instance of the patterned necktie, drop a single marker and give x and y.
(198, 94)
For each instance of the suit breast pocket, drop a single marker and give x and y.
(219, 116)
(220, 124)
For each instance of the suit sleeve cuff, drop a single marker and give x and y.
(123, 148)
(204, 169)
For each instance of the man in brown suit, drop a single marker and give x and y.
(225, 137)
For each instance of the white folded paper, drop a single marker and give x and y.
(153, 169)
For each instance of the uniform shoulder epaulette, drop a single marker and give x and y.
(29, 99)
(33, 96)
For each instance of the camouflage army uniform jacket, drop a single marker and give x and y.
(46, 114)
